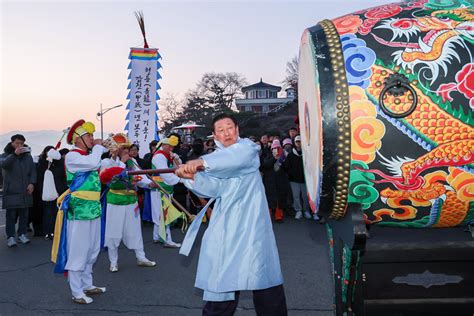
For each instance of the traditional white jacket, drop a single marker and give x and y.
(238, 250)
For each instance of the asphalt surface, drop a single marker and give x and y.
(29, 287)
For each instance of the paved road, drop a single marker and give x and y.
(28, 286)
(2, 218)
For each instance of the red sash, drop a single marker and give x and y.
(80, 151)
(164, 153)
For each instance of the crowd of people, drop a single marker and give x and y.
(281, 168)
(23, 200)
(27, 195)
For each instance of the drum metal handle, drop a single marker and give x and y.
(396, 85)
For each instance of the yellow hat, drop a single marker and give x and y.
(79, 128)
(172, 141)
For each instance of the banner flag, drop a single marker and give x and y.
(142, 120)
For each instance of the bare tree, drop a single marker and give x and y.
(215, 92)
(291, 79)
(220, 89)
(169, 110)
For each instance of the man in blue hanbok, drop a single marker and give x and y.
(238, 250)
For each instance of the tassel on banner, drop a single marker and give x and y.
(126, 127)
(158, 65)
(129, 85)
(129, 65)
(158, 87)
(128, 96)
(141, 22)
(157, 96)
(128, 106)
(158, 75)
(159, 55)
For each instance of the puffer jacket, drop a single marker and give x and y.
(18, 172)
(277, 186)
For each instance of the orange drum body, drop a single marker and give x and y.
(386, 103)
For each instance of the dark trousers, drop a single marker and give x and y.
(268, 302)
(49, 216)
(36, 213)
(12, 216)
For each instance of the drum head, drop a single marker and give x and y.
(310, 118)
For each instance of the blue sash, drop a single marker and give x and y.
(61, 260)
(103, 217)
(147, 215)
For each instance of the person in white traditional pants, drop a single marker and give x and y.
(164, 158)
(83, 217)
(123, 222)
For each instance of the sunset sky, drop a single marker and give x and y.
(61, 59)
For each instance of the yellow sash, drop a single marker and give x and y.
(87, 195)
(58, 226)
(123, 192)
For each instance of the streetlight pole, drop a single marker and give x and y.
(101, 114)
(101, 122)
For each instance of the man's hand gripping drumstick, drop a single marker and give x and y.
(190, 168)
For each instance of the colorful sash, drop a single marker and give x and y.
(59, 249)
(103, 218)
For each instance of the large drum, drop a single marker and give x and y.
(386, 102)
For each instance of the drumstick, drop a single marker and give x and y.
(175, 202)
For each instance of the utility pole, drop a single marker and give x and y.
(101, 114)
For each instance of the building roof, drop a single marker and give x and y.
(261, 85)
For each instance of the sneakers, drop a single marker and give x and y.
(23, 239)
(113, 268)
(172, 244)
(82, 300)
(11, 242)
(48, 237)
(168, 244)
(146, 263)
(299, 215)
(94, 290)
(307, 215)
(316, 217)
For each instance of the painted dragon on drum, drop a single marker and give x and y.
(443, 29)
(386, 110)
(432, 187)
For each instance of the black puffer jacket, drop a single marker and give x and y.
(18, 172)
(293, 166)
(276, 183)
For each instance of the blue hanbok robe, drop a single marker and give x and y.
(238, 250)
